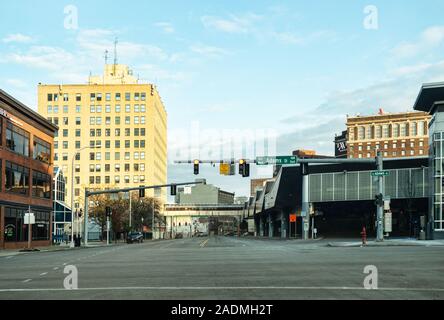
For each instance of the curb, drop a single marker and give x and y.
(17, 253)
(358, 245)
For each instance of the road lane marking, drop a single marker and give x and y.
(55, 268)
(27, 280)
(43, 274)
(227, 288)
(8, 257)
(204, 243)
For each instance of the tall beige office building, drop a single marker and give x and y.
(114, 128)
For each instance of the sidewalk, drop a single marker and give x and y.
(390, 243)
(15, 252)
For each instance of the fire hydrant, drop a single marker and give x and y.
(364, 236)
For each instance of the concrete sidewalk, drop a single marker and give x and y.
(389, 243)
(14, 252)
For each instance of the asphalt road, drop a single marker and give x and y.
(226, 268)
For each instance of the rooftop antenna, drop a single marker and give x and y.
(115, 54)
(106, 57)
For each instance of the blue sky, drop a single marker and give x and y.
(296, 68)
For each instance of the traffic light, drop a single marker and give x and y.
(379, 200)
(196, 167)
(108, 212)
(173, 190)
(244, 168)
(142, 192)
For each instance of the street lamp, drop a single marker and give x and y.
(72, 194)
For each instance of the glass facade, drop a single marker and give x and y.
(438, 185)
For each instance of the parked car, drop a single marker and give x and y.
(179, 236)
(201, 234)
(135, 237)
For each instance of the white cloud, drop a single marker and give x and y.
(316, 128)
(166, 27)
(430, 38)
(18, 38)
(209, 51)
(233, 24)
(16, 83)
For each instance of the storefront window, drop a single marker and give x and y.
(17, 139)
(17, 178)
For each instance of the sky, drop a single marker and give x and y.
(246, 77)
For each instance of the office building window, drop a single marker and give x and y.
(78, 97)
(136, 96)
(117, 168)
(117, 156)
(142, 120)
(127, 144)
(142, 143)
(142, 108)
(65, 109)
(49, 109)
(41, 185)
(127, 96)
(117, 144)
(92, 132)
(41, 150)
(136, 120)
(91, 180)
(142, 156)
(142, 132)
(117, 108)
(117, 179)
(107, 156)
(127, 167)
(118, 96)
(136, 108)
(99, 120)
(92, 120)
(142, 167)
(108, 97)
(49, 98)
(65, 157)
(56, 109)
(107, 168)
(78, 121)
(78, 109)
(99, 97)
(65, 133)
(143, 96)
(17, 179)
(127, 108)
(127, 156)
(17, 139)
(78, 132)
(378, 132)
(117, 132)
(127, 179)
(107, 180)
(108, 121)
(98, 109)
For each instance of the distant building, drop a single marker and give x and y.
(115, 127)
(396, 135)
(308, 154)
(341, 145)
(203, 194)
(256, 184)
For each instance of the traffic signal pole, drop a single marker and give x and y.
(380, 205)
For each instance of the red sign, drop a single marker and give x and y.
(293, 217)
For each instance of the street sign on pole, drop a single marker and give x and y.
(380, 173)
(293, 218)
(279, 160)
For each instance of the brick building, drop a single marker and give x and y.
(26, 147)
(396, 135)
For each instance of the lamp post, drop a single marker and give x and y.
(72, 194)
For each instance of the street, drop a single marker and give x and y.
(226, 268)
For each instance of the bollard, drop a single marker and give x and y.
(364, 236)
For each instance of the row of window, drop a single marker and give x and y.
(97, 156)
(107, 180)
(98, 168)
(55, 109)
(396, 130)
(386, 146)
(17, 181)
(18, 141)
(98, 144)
(137, 96)
(98, 120)
(138, 132)
(403, 153)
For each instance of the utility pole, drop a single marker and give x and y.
(130, 210)
(380, 207)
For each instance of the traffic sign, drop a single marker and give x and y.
(380, 173)
(225, 169)
(293, 218)
(280, 160)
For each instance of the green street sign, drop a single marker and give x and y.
(380, 173)
(280, 160)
